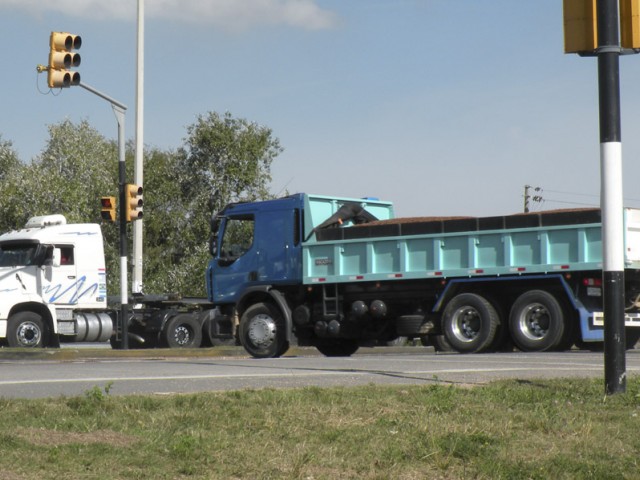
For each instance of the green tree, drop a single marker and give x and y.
(223, 159)
(166, 262)
(76, 167)
(9, 161)
(11, 172)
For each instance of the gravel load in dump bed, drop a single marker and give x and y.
(394, 221)
(454, 224)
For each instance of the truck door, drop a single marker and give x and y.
(278, 235)
(62, 286)
(236, 258)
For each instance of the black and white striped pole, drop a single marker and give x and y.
(611, 195)
(597, 28)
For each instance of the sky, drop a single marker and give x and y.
(443, 107)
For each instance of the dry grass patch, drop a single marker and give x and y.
(41, 437)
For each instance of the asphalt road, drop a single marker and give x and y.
(26, 377)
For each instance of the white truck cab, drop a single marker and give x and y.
(53, 284)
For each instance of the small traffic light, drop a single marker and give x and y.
(108, 208)
(61, 58)
(133, 195)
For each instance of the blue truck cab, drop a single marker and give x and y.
(253, 245)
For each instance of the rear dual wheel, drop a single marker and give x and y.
(470, 323)
(537, 323)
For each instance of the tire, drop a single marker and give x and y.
(440, 343)
(470, 323)
(537, 322)
(262, 331)
(183, 331)
(27, 330)
(115, 344)
(337, 348)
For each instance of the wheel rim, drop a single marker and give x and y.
(183, 335)
(29, 334)
(466, 324)
(262, 330)
(534, 321)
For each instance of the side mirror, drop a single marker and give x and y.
(213, 245)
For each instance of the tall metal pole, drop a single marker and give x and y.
(611, 195)
(124, 297)
(119, 110)
(136, 279)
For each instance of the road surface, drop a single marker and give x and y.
(39, 378)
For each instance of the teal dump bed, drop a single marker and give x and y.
(557, 241)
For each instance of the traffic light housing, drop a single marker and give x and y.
(61, 58)
(630, 24)
(133, 196)
(108, 208)
(580, 26)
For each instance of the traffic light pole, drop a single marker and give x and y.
(119, 110)
(611, 196)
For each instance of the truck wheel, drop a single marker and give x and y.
(261, 331)
(470, 323)
(27, 330)
(337, 348)
(537, 322)
(440, 343)
(183, 331)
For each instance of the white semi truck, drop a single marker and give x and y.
(53, 283)
(53, 289)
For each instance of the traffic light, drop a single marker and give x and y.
(133, 195)
(61, 58)
(630, 23)
(108, 208)
(580, 26)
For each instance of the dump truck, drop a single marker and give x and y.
(340, 273)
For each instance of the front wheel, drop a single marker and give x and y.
(183, 331)
(262, 331)
(27, 330)
(470, 323)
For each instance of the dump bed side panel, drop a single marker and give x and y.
(518, 251)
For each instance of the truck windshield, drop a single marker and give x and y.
(18, 255)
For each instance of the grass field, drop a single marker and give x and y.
(564, 429)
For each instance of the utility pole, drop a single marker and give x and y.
(136, 277)
(528, 197)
